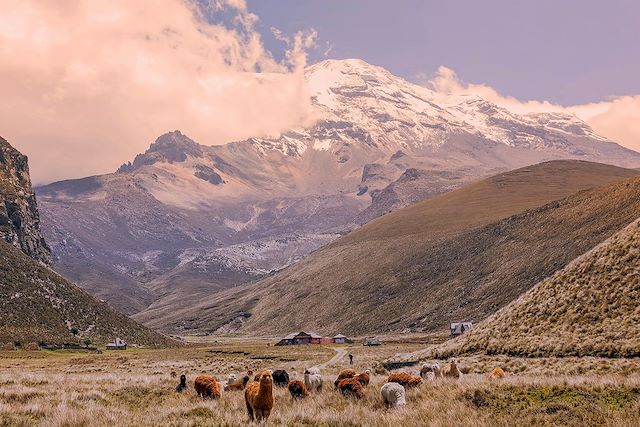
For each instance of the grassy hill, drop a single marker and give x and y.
(37, 305)
(462, 255)
(589, 308)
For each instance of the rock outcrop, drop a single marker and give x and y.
(19, 219)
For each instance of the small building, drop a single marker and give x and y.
(302, 338)
(117, 344)
(459, 328)
(340, 339)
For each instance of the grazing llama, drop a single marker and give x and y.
(393, 395)
(404, 379)
(207, 386)
(297, 389)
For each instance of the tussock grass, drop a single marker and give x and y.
(589, 308)
(136, 389)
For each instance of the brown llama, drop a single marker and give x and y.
(452, 370)
(297, 389)
(363, 378)
(258, 397)
(404, 379)
(345, 373)
(497, 374)
(351, 387)
(207, 386)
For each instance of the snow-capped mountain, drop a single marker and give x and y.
(378, 143)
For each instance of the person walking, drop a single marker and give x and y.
(350, 359)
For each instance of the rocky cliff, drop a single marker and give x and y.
(19, 219)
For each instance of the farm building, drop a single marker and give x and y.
(117, 344)
(298, 338)
(460, 328)
(340, 339)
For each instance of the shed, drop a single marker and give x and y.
(340, 339)
(459, 328)
(117, 344)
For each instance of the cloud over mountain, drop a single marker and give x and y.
(93, 80)
(615, 119)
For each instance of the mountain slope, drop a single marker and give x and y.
(378, 143)
(589, 308)
(36, 304)
(460, 255)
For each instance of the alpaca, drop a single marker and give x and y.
(452, 370)
(351, 387)
(258, 397)
(183, 384)
(393, 395)
(173, 373)
(208, 386)
(280, 378)
(430, 372)
(404, 379)
(238, 386)
(345, 373)
(297, 389)
(313, 380)
(363, 378)
(497, 374)
(232, 378)
(313, 370)
(256, 377)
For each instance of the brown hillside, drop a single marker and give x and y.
(37, 305)
(452, 257)
(589, 308)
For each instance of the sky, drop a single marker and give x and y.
(88, 84)
(568, 52)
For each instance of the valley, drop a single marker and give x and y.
(184, 221)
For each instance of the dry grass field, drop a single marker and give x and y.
(135, 388)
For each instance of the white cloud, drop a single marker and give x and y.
(617, 119)
(87, 84)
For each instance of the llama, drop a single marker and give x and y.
(452, 370)
(258, 397)
(208, 386)
(351, 387)
(497, 374)
(297, 389)
(313, 380)
(393, 395)
(232, 378)
(430, 372)
(280, 378)
(238, 386)
(404, 379)
(183, 384)
(345, 373)
(363, 378)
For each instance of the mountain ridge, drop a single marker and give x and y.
(137, 226)
(396, 273)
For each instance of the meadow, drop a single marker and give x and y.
(136, 388)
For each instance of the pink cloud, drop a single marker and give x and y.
(617, 119)
(87, 84)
